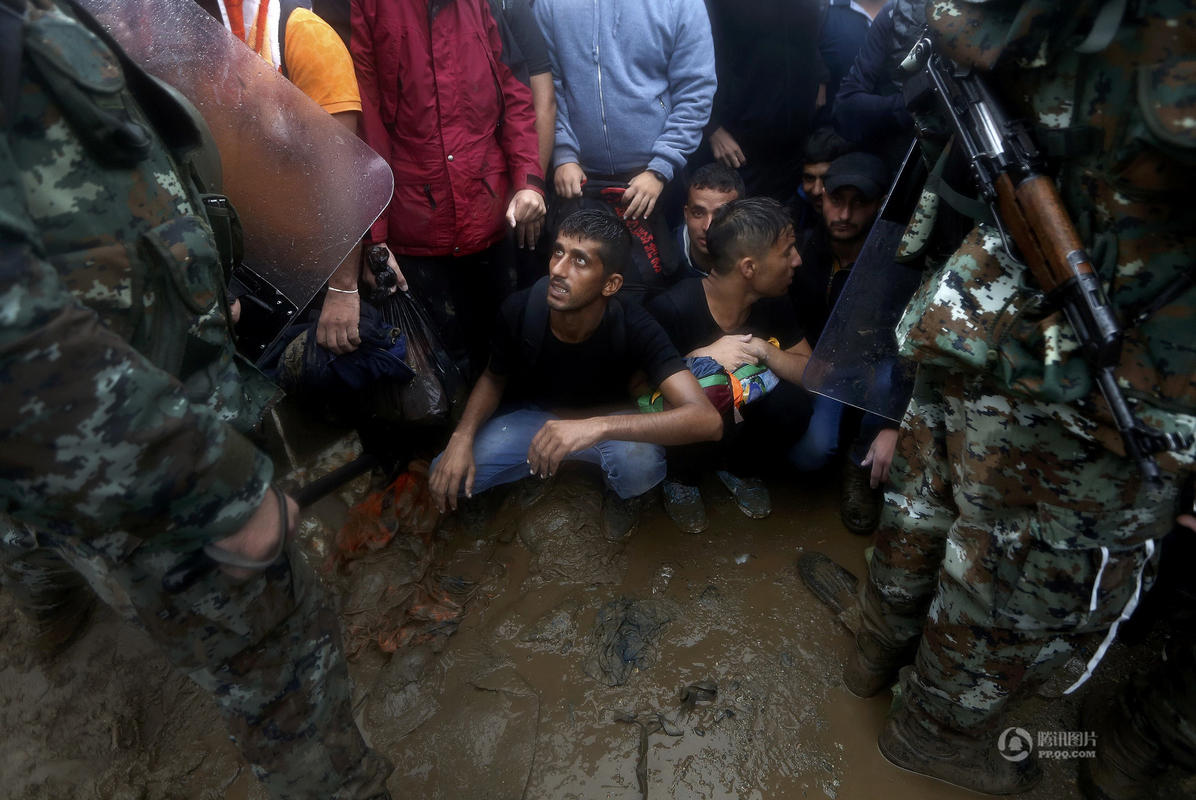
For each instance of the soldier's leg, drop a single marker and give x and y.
(268, 649)
(1047, 553)
(909, 544)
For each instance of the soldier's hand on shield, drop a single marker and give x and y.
(260, 539)
(568, 180)
(880, 456)
(455, 466)
(731, 351)
(526, 215)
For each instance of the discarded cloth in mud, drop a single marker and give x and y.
(624, 635)
(386, 552)
(404, 506)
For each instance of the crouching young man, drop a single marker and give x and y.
(565, 356)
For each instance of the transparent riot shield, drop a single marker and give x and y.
(856, 361)
(305, 188)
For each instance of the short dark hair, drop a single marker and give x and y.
(603, 227)
(717, 176)
(824, 145)
(746, 227)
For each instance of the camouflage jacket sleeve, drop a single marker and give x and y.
(93, 437)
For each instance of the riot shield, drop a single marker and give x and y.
(305, 188)
(856, 361)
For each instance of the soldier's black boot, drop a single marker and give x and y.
(914, 742)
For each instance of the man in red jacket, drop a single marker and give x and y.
(458, 129)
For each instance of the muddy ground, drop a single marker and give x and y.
(516, 704)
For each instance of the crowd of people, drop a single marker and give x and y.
(630, 222)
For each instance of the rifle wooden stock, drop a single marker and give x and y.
(1034, 215)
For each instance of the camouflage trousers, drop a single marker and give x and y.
(1007, 544)
(268, 650)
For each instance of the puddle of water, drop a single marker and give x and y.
(781, 726)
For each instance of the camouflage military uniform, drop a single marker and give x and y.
(1016, 530)
(122, 434)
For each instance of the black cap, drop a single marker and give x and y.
(867, 173)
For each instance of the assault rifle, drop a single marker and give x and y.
(1029, 214)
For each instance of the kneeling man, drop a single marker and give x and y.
(565, 355)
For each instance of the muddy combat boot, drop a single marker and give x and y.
(874, 667)
(916, 743)
(683, 504)
(859, 503)
(1128, 762)
(833, 585)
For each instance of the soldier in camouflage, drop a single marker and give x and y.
(123, 446)
(1016, 532)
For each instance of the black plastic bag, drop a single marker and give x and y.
(437, 388)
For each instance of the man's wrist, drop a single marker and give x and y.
(659, 176)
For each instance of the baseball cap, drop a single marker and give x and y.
(866, 172)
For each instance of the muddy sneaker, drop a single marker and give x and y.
(750, 494)
(620, 517)
(922, 746)
(684, 506)
(833, 585)
(859, 503)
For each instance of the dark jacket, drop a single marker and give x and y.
(455, 125)
(869, 109)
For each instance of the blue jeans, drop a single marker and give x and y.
(501, 445)
(820, 442)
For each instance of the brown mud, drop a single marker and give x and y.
(509, 707)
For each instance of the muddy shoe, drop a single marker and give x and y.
(833, 585)
(751, 495)
(620, 517)
(859, 504)
(684, 506)
(974, 763)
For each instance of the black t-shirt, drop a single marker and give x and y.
(685, 314)
(585, 375)
(523, 46)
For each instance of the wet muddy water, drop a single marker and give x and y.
(509, 707)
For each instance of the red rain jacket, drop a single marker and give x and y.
(455, 125)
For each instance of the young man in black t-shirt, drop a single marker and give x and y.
(729, 316)
(565, 354)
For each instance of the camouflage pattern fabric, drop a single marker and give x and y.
(122, 434)
(1015, 529)
(268, 650)
(990, 546)
(1121, 122)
